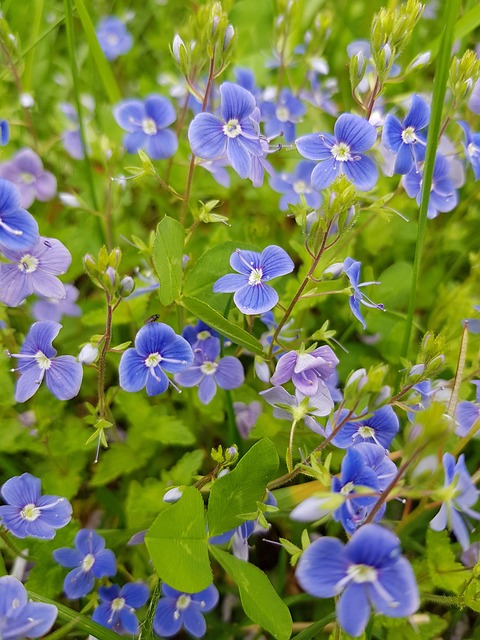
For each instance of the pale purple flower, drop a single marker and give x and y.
(54, 308)
(113, 37)
(468, 413)
(295, 185)
(299, 406)
(381, 427)
(117, 609)
(443, 195)
(20, 617)
(34, 271)
(26, 172)
(246, 415)
(405, 139)
(280, 117)
(18, 229)
(308, 370)
(28, 513)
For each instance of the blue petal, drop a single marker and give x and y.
(206, 136)
(179, 352)
(315, 146)
(404, 162)
(105, 564)
(128, 622)
(398, 581)
(190, 377)
(355, 309)
(28, 383)
(194, 622)
(237, 102)
(418, 115)
(373, 545)
(88, 541)
(353, 609)
(230, 373)
(162, 145)
(239, 157)
(275, 262)
(392, 133)
(15, 285)
(160, 110)
(254, 299)
(362, 172)
(64, 377)
(40, 338)
(207, 389)
(244, 261)
(355, 131)
(68, 558)
(78, 583)
(129, 114)
(164, 622)
(157, 384)
(136, 594)
(135, 141)
(153, 338)
(22, 490)
(325, 173)
(229, 283)
(39, 619)
(321, 567)
(103, 615)
(132, 371)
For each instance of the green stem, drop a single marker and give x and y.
(290, 447)
(439, 90)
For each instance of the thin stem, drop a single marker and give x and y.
(290, 447)
(373, 97)
(107, 337)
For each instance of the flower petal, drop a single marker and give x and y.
(28, 383)
(15, 285)
(129, 114)
(206, 136)
(362, 172)
(353, 609)
(21, 490)
(239, 157)
(325, 173)
(194, 622)
(315, 146)
(254, 299)
(207, 389)
(321, 567)
(355, 131)
(237, 102)
(418, 115)
(229, 283)
(162, 145)
(160, 110)
(230, 373)
(78, 583)
(164, 622)
(397, 580)
(64, 377)
(275, 262)
(132, 371)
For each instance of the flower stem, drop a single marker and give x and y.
(290, 447)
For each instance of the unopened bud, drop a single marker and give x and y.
(173, 495)
(127, 285)
(227, 38)
(88, 354)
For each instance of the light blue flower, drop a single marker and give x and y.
(177, 609)
(18, 229)
(381, 427)
(280, 117)
(113, 37)
(405, 139)
(25, 170)
(4, 132)
(472, 148)
(19, 617)
(117, 609)
(443, 195)
(351, 269)
(295, 185)
(467, 413)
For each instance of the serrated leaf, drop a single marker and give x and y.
(260, 601)
(445, 573)
(168, 259)
(237, 492)
(214, 319)
(178, 546)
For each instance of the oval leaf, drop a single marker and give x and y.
(168, 259)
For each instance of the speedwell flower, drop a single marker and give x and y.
(18, 229)
(472, 148)
(176, 609)
(381, 427)
(89, 560)
(117, 609)
(443, 195)
(405, 139)
(342, 153)
(19, 617)
(26, 172)
(113, 37)
(300, 406)
(368, 572)
(351, 269)
(295, 185)
(308, 370)
(38, 360)
(468, 413)
(252, 295)
(282, 116)
(54, 309)
(235, 134)
(157, 348)
(28, 513)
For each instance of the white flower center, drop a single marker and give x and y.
(183, 602)
(153, 359)
(366, 432)
(473, 150)
(341, 152)
(232, 129)
(42, 360)
(118, 604)
(149, 126)
(204, 335)
(28, 263)
(408, 135)
(30, 512)
(15, 603)
(209, 368)
(255, 277)
(362, 573)
(27, 178)
(300, 186)
(282, 113)
(88, 562)
(346, 489)
(112, 39)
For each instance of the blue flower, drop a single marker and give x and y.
(4, 132)
(366, 572)
(38, 360)
(281, 117)
(296, 184)
(19, 617)
(381, 427)
(404, 138)
(207, 371)
(235, 134)
(25, 170)
(252, 295)
(472, 148)
(28, 513)
(146, 123)
(117, 611)
(90, 559)
(443, 196)
(351, 269)
(177, 609)
(458, 495)
(54, 309)
(246, 415)
(308, 370)
(34, 271)
(200, 334)
(342, 153)
(157, 348)
(468, 413)
(18, 229)
(113, 37)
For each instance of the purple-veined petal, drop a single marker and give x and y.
(136, 594)
(164, 622)
(55, 511)
(275, 262)
(315, 146)
(237, 102)
(355, 131)
(230, 373)
(153, 337)
(40, 338)
(12, 595)
(190, 377)
(239, 157)
(47, 285)
(88, 541)
(157, 382)
(404, 162)
(254, 299)
(353, 609)
(206, 136)
(207, 389)
(18, 229)
(355, 309)
(244, 261)
(194, 622)
(229, 283)
(160, 110)
(372, 544)
(321, 401)
(392, 133)
(45, 186)
(40, 618)
(108, 594)
(362, 172)
(466, 414)
(64, 377)
(321, 567)
(54, 257)
(325, 173)
(162, 145)
(128, 622)
(398, 593)
(105, 564)
(15, 285)
(28, 383)
(129, 114)
(458, 524)
(277, 396)
(22, 490)
(132, 371)
(418, 115)
(78, 583)
(12, 520)
(177, 355)
(103, 615)
(39, 529)
(285, 368)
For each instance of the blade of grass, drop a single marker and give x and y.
(464, 26)
(101, 63)
(442, 67)
(38, 6)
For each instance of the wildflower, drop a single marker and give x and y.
(71, 138)
(252, 295)
(157, 348)
(468, 413)
(246, 415)
(89, 560)
(280, 118)
(308, 370)
(4, 132)
(381, 427)
(88, 353)
(117, 609)
(38, 360)
(458, 495)
(352, 271)
(146, 123)
(472, 148)
(443, 196)
(234, 134)
(299, 406)
(28, 513)
(34, 271)
(200, 334)
(377, 459)
(18, 229)
(177, 609)
(341, 153)
(207, 372)
(474, 100)
(113, 37)
(20, 617)
(295, 185)
(405, 139)
(26, 172)
(366, 572)
(54, 309)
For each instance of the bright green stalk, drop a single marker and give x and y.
(35, 29)
(442, 68)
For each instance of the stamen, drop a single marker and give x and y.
(7, 227)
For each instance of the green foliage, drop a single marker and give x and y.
(445, 572)
(168, 259)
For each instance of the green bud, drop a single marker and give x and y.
(464, 73)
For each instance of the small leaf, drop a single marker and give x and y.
(168, 259)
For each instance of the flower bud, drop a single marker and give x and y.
(173, 495)
(88, 354)
(227, 38)
(127, 285)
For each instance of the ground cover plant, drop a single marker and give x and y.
(240, 319)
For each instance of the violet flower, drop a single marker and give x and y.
(299, 406)
(177, 609)
(405, 139)
(381, 427)
(18, 229)
(54, 309)
(443, 195)
(468, 413)
(246, 415)
(20, 617)
(117, 609)
(351, 269)
(295, 185)
(25, 170)
(113, 37)
(308, 370)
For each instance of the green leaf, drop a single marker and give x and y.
(168, 257)
(228, 329)
(311, 632)
(177, 544)
(260, 601)
(445, 573)
(238, 492)
(102, 65)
